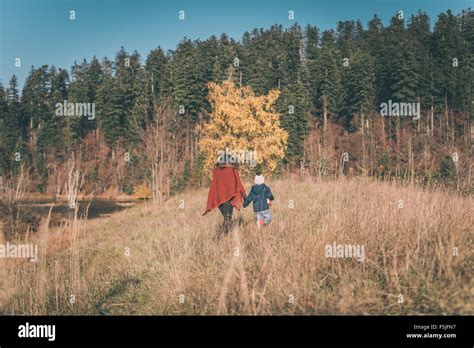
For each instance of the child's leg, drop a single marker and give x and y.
(260, 220)
(267, 216)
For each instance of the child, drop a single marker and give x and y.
(261, 196)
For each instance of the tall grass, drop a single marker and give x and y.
(167, 260)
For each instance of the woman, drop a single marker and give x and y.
(226, 192)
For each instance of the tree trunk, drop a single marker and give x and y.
(411, 159)
(432, 119)
(446, 116)
(325, 116)
(364, 150)
(384, 136)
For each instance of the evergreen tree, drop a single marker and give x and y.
(465, 82)
(419, 38)
(360, 89)
(155, 67)
(35, 96)
(446, 48)
(4, 158)
(109, 106)
(294, 105)
(142, 107)
(57, 94)
(127, 68)
(375, 45)
(86, 79)
(403, 77)
(328, 94)
(11, 119)
(187, 83)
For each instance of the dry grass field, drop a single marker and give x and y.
(167, 260)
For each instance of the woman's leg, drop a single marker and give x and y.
(226, 210)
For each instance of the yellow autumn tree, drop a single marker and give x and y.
(241, 121)
(141, 191)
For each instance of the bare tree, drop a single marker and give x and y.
(75, 181)
(157, 138)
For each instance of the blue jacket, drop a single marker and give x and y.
(259, 195)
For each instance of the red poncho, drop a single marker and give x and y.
(225, 185)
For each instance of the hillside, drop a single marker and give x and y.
(388, 99)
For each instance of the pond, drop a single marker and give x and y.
(87, 209)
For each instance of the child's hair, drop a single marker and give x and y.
(259, 172)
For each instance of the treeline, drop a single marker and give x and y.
(332, 84)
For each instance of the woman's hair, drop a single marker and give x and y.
(224, 165)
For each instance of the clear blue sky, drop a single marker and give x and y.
(40, 32)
